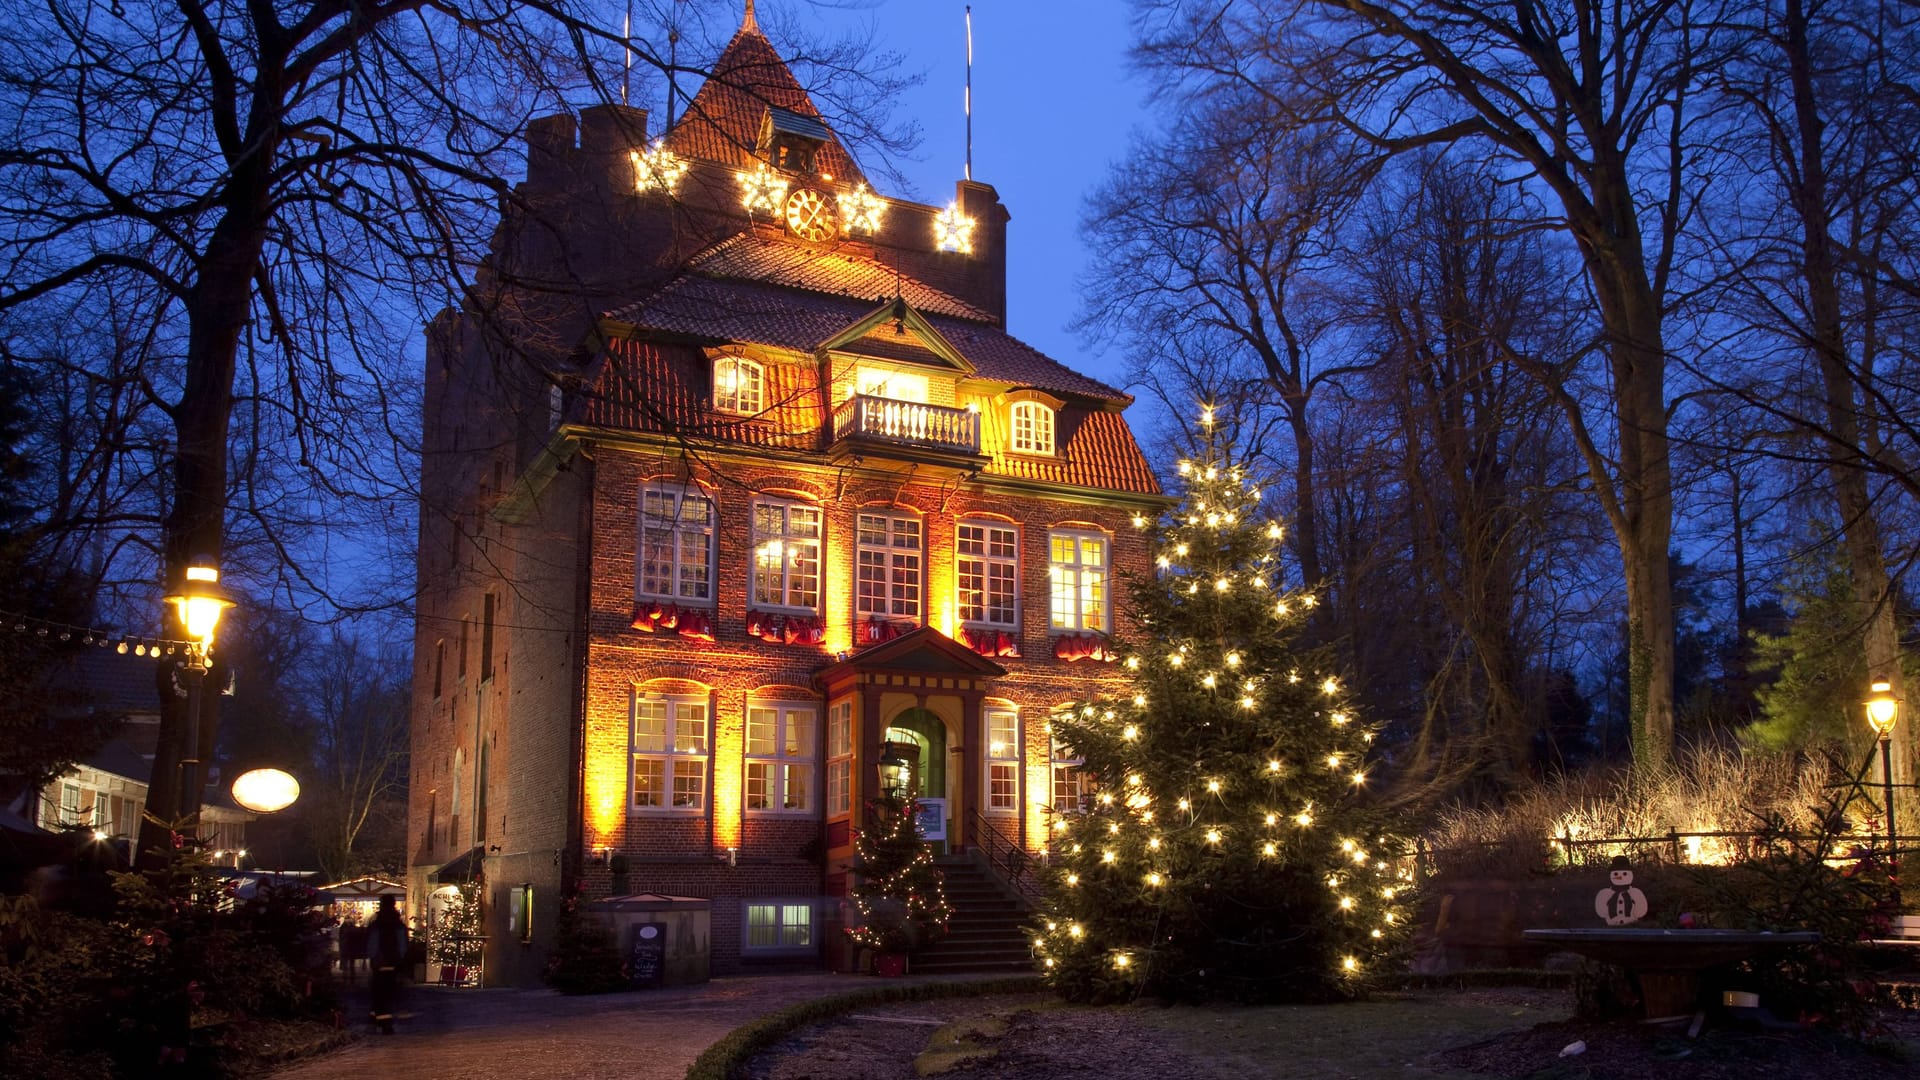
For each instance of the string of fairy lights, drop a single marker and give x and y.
(92, 637)
(1272, 804)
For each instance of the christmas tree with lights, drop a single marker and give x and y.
(1230, 848)
(899, 892)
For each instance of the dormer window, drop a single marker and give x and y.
(739, 386)
(1032, 424)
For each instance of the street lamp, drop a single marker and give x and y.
(200, 601)
(896, 772)
(1882, 709)
(265, 791)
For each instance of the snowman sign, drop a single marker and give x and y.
(1620, 903)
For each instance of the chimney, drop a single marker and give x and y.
(608, 133)
(987, 267)
(549, 143)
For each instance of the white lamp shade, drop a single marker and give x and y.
(265, 791)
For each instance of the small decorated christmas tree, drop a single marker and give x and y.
(1230, 848)
(899, 893)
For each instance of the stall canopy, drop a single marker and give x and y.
(363, 888)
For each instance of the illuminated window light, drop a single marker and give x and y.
(656, 169)
(861, 210)
(953, 230)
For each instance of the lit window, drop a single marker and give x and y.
(889, 567)
(779, 925)
(1077, 567)
(669, 753)
(987, 567)
(676, 544)
(1003, 761)
(786, 556)
(1032, 428)
(895, 385)
(1069, 779)
(780, 757)
(739, 386)
(840, 758)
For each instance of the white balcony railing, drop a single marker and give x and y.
(908, 423)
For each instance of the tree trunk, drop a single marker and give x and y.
(1846, 423)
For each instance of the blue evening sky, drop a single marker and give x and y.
(1053, 104)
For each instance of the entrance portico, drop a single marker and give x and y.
(921, 690)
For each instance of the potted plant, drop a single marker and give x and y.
(899, 894)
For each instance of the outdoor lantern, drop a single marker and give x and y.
(265, 791)
(201, 601)
(1882, 708)
(896, 771)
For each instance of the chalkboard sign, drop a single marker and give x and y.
(647, 959)
(930, 819)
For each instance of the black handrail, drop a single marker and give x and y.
(1010, 862)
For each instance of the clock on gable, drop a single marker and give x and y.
(809, 215)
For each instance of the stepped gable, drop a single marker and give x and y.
(722, 122)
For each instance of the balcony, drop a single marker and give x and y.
(865, 421)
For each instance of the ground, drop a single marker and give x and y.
(1518, 1032)
(1501, 1033)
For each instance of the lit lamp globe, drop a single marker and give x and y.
(200, 602)
(265, 791)
(1882, 708)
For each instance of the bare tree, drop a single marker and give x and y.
(280, 193)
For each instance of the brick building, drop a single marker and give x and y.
(733, 483)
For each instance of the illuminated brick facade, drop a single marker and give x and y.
(753, 512)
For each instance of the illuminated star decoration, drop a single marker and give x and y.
(762, 189)
(861, 209)
(657, 168)
(953, 230)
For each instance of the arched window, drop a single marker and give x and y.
(1032, 428)
(739, 386)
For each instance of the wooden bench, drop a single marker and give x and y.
(1905, 931)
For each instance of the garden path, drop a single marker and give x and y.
(482, 1034)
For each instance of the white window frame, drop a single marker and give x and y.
(679, 754)
(1003, 761)
(1030, 427)
(1070, 581)
(988, 561)
(882, 564)
(678, 535)
(839, 785)
(782, 924)
(1062, 767)
(785, 759)
(746, 393)
(793, 542)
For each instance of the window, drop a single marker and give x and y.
(896, 385)
(1032, 428)
(780, 757)
(1069, 782)
(786, 555)
(69, 804)
(888, 566)
(676, 544)
(988, 570)
(466, 634)
(439, 666)
(739, 386)
(1003, 761)
(486, 638)
(520, 913)
(669, 753)
(779, 925)
(840, 758)
(1078, 569)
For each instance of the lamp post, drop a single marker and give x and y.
(896, 772)
(200, 601)
(1882, 709)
